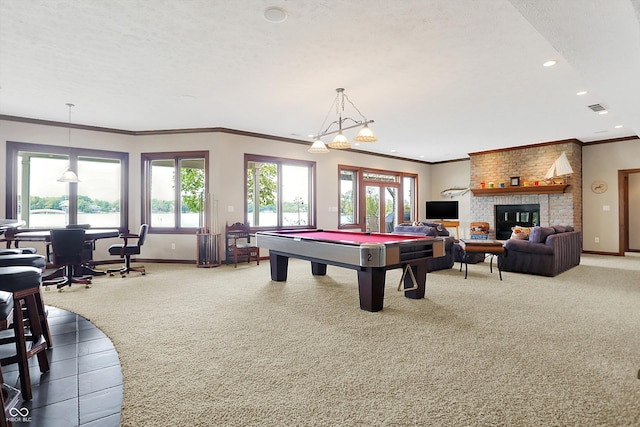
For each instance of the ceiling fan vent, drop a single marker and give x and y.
(596, 108)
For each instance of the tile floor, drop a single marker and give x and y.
(84, 385)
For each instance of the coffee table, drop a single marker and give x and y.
(492, 247)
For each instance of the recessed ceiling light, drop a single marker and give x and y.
(275, 14)
(603, 112)
(549, 63)
(582, 92)
(394, 151)
(618, 126)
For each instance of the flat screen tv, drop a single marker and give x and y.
(442, 209)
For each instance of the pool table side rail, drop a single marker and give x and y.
(345, 254)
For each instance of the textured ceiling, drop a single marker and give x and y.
(440, 78)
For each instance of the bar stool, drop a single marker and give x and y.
(24, 284)
(11, 251)
(10, 396)
(25, 260)
(30, 260)
(16, 251)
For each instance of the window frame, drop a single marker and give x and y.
(280, 161)
(145, 194)
(361, 184)
(357, 173)
(73, 153)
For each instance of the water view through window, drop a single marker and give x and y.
(44, 202)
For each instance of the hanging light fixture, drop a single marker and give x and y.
(69, 175)
(340, 141)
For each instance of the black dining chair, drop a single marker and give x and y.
(126, 249)
(68, 248)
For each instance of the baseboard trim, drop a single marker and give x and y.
(603, 253)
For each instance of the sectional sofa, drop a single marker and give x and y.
(548, 251)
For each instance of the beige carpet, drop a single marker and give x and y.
(225, 346)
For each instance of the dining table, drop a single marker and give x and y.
(17, 236)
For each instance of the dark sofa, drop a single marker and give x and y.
(548, 252)
(435, 230)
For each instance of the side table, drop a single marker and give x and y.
(492, 247)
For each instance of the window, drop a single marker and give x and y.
(279, 192)
(175, 191)
(348, 197)
(374, 200)
(410, 212)
(37, 197)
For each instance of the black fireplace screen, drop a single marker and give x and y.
(508, 216)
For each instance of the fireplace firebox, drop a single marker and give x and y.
(508, 216)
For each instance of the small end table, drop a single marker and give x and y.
(492, 247)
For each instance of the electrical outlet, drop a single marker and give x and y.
(596, 240)
(173, 246)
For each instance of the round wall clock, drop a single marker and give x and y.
(599, 187)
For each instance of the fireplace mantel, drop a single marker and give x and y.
(533, 189)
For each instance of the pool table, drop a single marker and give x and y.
(370, 254)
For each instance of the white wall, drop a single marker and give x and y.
(226, 183)
(453, 175)
(601, 162)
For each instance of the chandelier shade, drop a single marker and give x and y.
(68, 176)
(365, 135)
(340, 141)
(318, 147)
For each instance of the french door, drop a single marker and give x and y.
(381, 207)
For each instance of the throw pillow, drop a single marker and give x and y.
(540, 234)
(520, 233)
(439, 227)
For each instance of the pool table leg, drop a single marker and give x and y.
(420, 273)
(371, 288)
(279, 266)
(318, 269)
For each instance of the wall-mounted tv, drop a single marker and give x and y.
(442, 209)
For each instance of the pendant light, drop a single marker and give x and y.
(69, 175)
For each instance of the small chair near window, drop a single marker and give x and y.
(239, 243)
(126, 249)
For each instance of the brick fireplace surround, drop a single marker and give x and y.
(529, 163)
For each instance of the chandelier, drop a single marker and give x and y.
(340, 141)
